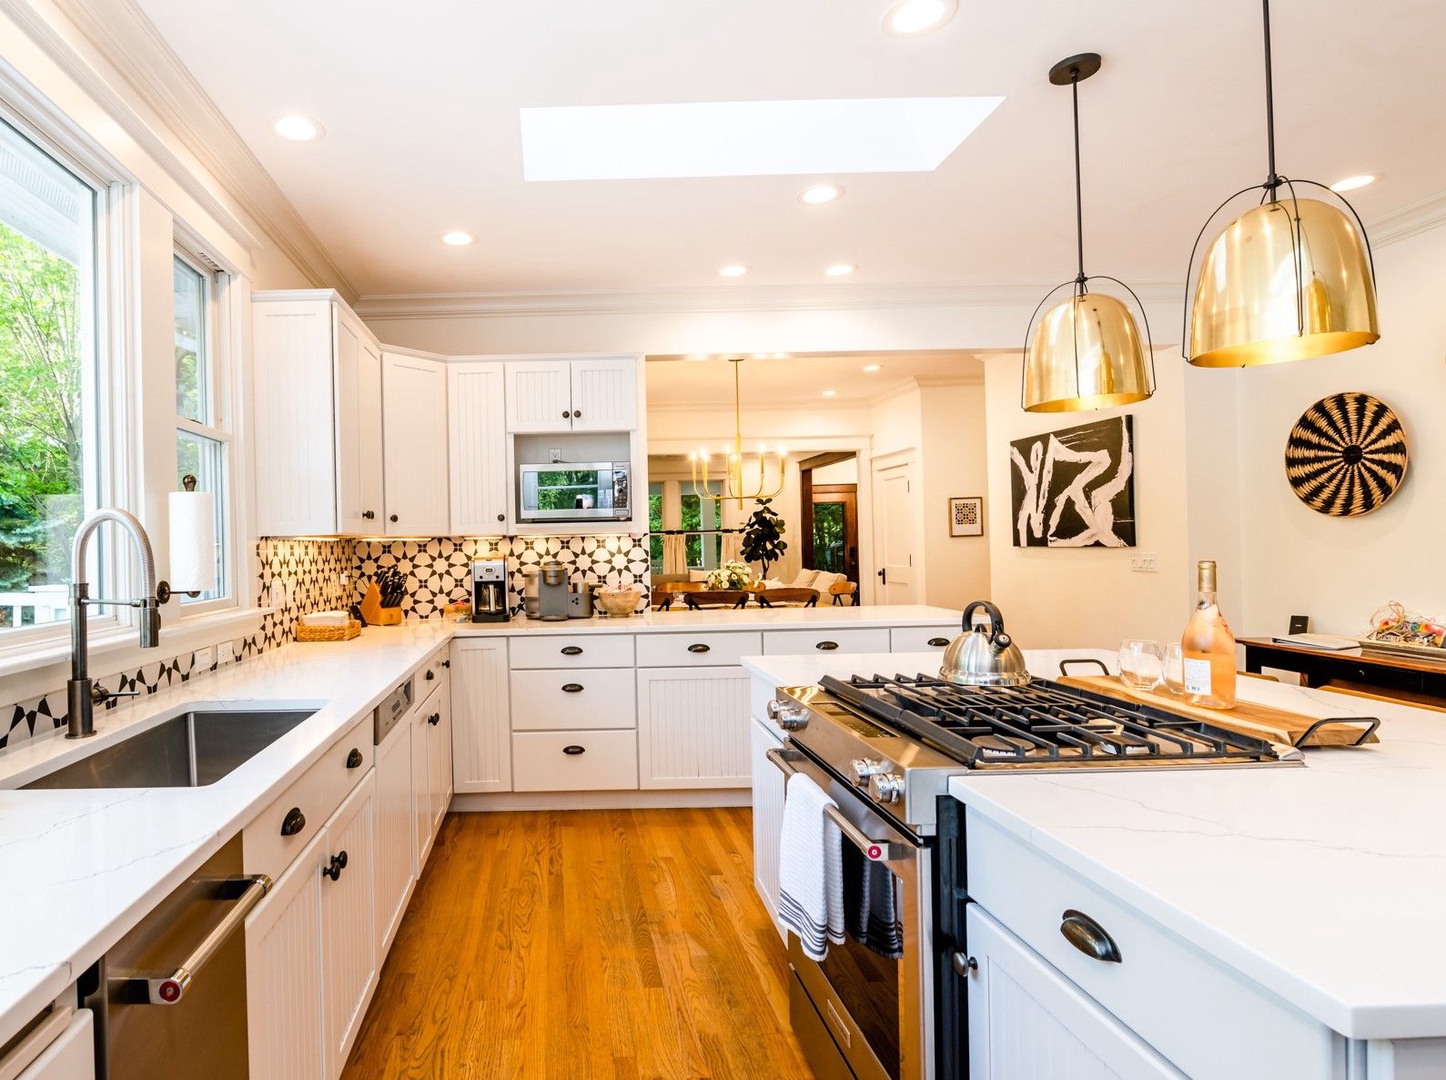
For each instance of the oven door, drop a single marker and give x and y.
(859, 1014)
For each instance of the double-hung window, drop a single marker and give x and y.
(49, 444)
(203, 429)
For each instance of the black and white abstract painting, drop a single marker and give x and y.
(1076, 487)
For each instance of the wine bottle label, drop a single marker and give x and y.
(1197, 676)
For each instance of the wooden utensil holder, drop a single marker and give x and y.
(373, 612)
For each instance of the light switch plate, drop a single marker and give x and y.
(1144, 562)
(205, 659)
(225, 653)
(278, 592)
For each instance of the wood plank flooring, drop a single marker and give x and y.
(595, 944)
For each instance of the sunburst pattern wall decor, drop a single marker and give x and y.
(1346, 455)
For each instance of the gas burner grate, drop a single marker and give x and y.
(1041, 723)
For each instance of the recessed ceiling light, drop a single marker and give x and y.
(1351, 183)
(820, 194)
(297, 128)
(871, 368)
(830, 393)
(908, 18)
(732, 270)
(840, 269)
(458, 238)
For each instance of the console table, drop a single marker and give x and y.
(1410, 678)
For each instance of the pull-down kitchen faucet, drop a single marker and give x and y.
(81, 694)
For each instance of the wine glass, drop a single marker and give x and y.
(1141, 663)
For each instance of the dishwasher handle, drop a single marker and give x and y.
(170, 989)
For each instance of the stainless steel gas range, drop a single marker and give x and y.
(885, 750)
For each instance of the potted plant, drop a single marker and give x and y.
(763, 540)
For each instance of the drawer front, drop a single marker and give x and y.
(922, 638)
(697, 650)
(871, 639)
(575, 761)
(1164, 988)
(265, 849)
(573, 700)
(571, 651)
(433, 673)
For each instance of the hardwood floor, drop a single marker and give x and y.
(622, 944)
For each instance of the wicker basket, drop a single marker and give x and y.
(329, 633)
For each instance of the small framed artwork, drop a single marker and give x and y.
(966, 516)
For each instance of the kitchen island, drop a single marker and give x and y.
(1272, 921)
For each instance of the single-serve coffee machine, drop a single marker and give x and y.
(552, 593)
(489, 590)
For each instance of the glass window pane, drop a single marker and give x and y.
(47, 302)
(205, 460)
(192, 398)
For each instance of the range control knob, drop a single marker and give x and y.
(864, 769)
(886, 787)
(788, 715)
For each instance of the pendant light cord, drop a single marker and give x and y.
(1272, 182)
(1078, 194)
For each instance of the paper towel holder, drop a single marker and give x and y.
(164, 592)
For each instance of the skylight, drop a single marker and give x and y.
(747, 138)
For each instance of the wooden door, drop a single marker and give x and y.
(605, 394)
(896, 539)
(348, 921)
(481, 724)
(414, 439)
(539, 395)
(831, 529)
(477, 435)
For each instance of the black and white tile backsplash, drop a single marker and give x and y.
(322, 574)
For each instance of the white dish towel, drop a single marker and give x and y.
(810, 875)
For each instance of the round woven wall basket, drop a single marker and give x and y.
(1346, 455)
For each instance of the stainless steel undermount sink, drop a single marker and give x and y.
(193, 749)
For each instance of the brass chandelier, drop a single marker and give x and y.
(1288, 279)
(730, 483)
(1086, 352)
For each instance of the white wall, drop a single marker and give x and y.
(840, 472)
(1339, 570)
(954, 462)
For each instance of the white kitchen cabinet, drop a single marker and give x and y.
(317, 396)
(477, 438)
(481, 724)
(283, 973)
(693, 728)
(59, 1046)
(414, 442)
(768, 791)
(1028, 1022)
(396, 870)
(348, 921)
(572, 394)
(439, 755)
(421, 791)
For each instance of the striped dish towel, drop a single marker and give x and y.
(810, 874)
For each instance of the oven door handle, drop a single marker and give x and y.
(874, 850)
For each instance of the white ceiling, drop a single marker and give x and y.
(800, 378)
(420, 104)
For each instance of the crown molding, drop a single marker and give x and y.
(120, 31)
(714, 299)
(1419, 217)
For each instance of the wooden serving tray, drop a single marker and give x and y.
(1247, 718)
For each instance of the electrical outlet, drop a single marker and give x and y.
(278, 593)
(554, 455)
(1144, 562)
(205, 659)
(225, 653)
(343, 579)
(290, 590)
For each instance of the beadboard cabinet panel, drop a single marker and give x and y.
(768, 792)
(348, 921)
(414, 427)
(693, 728)
(477, 437)
(481, 724)
(539, 395)
(605, 394)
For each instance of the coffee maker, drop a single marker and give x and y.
(489, 590)
(552, 592)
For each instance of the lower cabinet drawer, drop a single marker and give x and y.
(277, 834)
(1164, 988)
(716, 649)
(921, 638)
(824, 642)
(594, 649)
(569, 700)
(575, 761)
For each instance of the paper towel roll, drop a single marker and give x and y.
(193, 541)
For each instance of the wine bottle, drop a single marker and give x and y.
(1208, 647)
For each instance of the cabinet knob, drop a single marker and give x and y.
(336, 866)
(393, 518)
(501, 517)
(431, 675)
(446, 663)
(294, 822)
(963, 965)
(354, 759)
(369, 514)
(435, 719)
(574, 750)
(566, 415)
(577, 414)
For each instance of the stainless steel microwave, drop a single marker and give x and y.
(574, 491)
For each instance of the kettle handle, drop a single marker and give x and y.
(996, 619)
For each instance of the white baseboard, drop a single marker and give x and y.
(600, 800)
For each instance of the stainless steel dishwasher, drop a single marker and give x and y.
(170, 997)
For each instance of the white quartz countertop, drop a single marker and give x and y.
(823, 617)
(1325, 884)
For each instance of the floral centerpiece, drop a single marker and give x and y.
(731, 575)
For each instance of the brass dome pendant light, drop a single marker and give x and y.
(1289, 279)
(1086, 352)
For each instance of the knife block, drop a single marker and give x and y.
(373, 612)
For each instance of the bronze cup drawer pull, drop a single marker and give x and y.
(572, 688)
(1089, 937)
(826, 646)
(572, 650)
(938, 642)
(699, 647)
(294, 822)
(574, 750)
(354, 760)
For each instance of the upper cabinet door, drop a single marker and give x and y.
(539, 395)
(414, 442)
(605, 394)
(358, 420)
(476, 430)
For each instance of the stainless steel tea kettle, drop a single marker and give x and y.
(983, 656)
